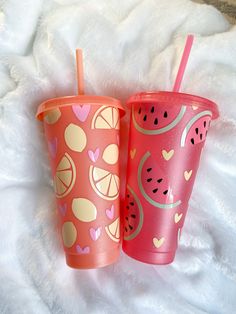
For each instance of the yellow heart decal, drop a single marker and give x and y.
(187, 174)
(167, 155)
(158, 242)
(133, 153)
(178, 217)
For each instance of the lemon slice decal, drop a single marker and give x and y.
(104, 183)
(113, 230)
(75, 138)
(106, 118)
(111, 154)
(69, 234)
(64, 179)
(84, 209)
(52, 116)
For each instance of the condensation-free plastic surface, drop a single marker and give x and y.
(83, 145)
(167, 135)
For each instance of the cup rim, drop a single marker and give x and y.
(66, 101)
(176, 99)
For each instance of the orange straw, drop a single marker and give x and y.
(183, 63)
(80, 72)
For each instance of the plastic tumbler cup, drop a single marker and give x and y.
(82, 133)
(167, 135)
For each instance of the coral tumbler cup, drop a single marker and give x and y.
(82, 133)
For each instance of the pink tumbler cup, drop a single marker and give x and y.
(167, 135)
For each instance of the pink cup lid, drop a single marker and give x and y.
(174, 98)
(79, 99)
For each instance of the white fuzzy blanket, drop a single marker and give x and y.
(129, 45)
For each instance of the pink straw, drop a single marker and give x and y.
(80, 72)
(183, 63)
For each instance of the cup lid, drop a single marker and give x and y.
(175, 98)
(78, 99)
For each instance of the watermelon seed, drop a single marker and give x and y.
(127, 195)
(139, 110)
(145, 118)
(149, 180)
(132, 203)
(152, 109)
(196, 130)
(159, 180)
(156, 121)
(165, 114)
(192, 141)
(149, 169)
(155, 190)
(126, 218)
(204, 124)
(133, 216)
(165, 192)
(206, 132)
(127, 207)
(201, 136)
(131, 228)
(126, 229)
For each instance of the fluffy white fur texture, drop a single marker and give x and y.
(129, 46)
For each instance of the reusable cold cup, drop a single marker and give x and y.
(167, 135)
(82, 133)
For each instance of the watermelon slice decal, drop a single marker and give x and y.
(153, 120)
(153, 186)
(133, 215)
(196, 130)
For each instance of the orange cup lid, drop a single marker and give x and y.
(78, 99)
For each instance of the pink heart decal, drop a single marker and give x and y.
(84, 250)
(94, 155)
(63, 208)
(110, 212)
(81, 112)
(52, 147)
(95, 233)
